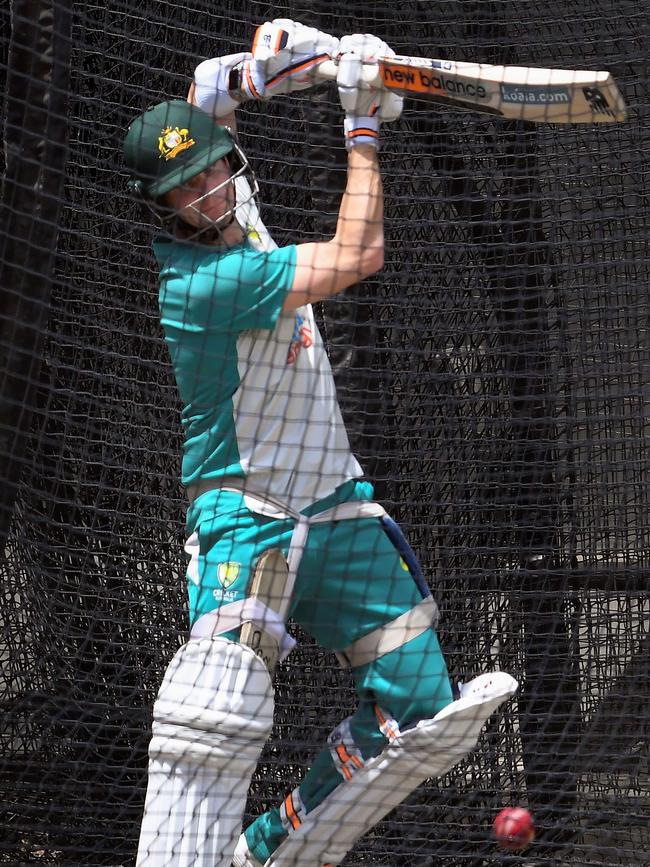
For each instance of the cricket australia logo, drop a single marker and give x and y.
(301, 336)
(228, 573)
(173, 141)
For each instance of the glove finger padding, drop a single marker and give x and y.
(368, 47)
(287, 54)
(390, 106)
(355, 95)
(360, 103)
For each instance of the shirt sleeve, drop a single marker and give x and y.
(246, 289)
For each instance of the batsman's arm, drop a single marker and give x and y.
(229, 119)
(356, 251)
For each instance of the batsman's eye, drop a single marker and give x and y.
(194, 183)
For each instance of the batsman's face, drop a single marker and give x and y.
(206, 198)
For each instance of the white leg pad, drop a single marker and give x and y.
(213, 714)
(428, 750)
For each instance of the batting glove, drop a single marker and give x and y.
(285, 57)
(365, 107)
(217, 83)
(370, 48)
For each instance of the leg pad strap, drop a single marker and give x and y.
(390, 636)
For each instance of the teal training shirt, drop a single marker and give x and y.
(256, 386)
(207, 298)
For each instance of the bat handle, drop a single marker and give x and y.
(328, 70)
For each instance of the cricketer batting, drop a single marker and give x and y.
(281, 523)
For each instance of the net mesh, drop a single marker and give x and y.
(494, 382)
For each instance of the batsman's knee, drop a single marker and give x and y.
(213, 686)
(411, 683)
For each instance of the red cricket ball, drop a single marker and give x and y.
(514, 828)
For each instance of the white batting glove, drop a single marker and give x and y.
(285, 56)
(370, 48)
(217, 83)
(365, 107)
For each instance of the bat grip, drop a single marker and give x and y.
(371, 77)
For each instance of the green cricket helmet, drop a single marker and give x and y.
(170, 143)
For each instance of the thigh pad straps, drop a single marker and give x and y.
(390, 636)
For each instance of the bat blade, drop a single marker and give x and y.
(514, 92)
(517, 92)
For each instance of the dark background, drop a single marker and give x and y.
(494, 379)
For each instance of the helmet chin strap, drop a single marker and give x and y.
(211, 234)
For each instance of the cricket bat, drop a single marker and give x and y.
(514, 92)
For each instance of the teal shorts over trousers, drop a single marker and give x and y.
(351, 581)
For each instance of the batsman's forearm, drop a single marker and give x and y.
(360, 226)
(325, 268)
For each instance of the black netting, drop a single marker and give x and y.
(494, 380)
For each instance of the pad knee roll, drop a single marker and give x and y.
(215, 694)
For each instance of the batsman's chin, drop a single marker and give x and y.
(211, 218)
